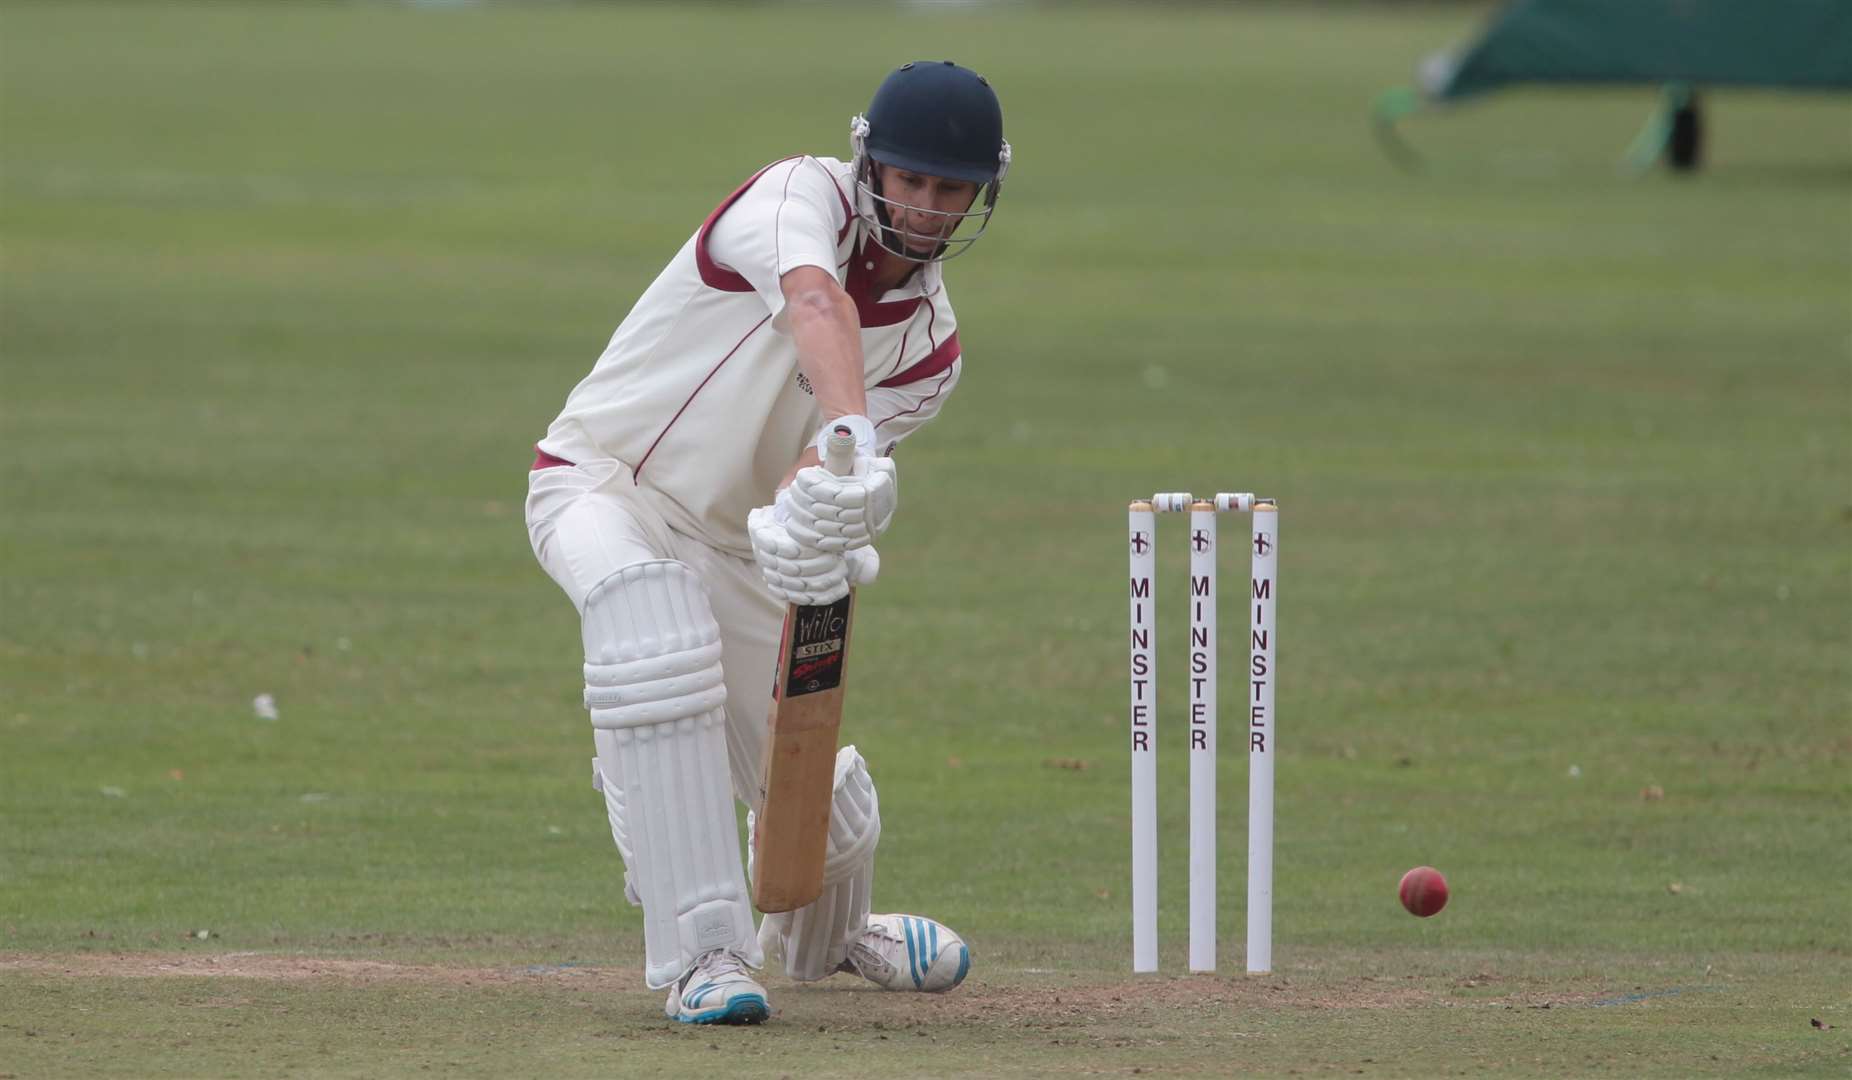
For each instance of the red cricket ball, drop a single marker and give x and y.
(1423, 891)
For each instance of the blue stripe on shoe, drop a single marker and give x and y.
(913, 949)
(745, 1009)
(906, 933)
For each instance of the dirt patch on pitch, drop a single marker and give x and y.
(1057, 1000)
(1012, 998)
(1132, 998)
(269, 966)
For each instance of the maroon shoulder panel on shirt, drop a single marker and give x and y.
(715, 276)
(935, 362)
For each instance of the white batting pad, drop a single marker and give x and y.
(620, 832)
(814, 939)
(653, 685)
(652, 647)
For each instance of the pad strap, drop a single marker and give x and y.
(652, 647)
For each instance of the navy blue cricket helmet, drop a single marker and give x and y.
(936, 118)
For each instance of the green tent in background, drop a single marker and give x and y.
(1681, 45)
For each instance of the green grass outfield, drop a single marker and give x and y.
(1565, 458)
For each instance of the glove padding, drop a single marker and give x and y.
(826, 512)
(797, 575)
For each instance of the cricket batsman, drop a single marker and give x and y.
(679, 501)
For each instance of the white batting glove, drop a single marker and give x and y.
(864, 565)
(826, 512)
(798, 575)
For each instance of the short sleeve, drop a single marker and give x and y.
(793, 215)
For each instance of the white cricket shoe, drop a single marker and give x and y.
(717, 990)
(908, 952)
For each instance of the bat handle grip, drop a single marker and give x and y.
(839, 451)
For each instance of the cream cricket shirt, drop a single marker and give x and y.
(699, 392)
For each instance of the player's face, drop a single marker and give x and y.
(923, 209)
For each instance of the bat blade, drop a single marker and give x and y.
(797, 781)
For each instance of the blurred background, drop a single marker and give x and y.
(1561, 436)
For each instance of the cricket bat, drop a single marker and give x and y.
(797, 780)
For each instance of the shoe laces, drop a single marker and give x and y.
(864, 947)
(881, 931)
(719, 962)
